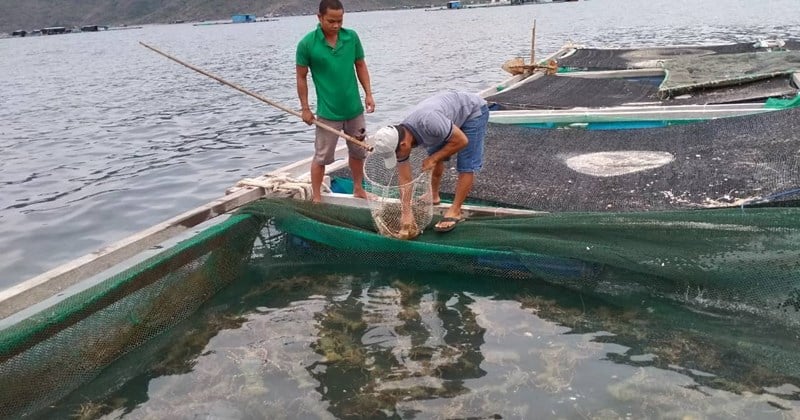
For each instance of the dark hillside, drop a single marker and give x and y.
(36, 14)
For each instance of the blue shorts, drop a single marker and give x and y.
(470, 158)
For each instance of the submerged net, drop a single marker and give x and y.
(390, 199)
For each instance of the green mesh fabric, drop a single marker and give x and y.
(736, 259)
(45, 356)
(776, 103)
(731, 257)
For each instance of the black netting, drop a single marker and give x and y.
(561, 92)
(627, 58)
(712, 163)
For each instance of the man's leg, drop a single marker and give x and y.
(317, 174)
(463, 188)
(436, 181)
(356, 127)
(357, 169)
(324, 150)
(470, 160)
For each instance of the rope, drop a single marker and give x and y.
(281, 183)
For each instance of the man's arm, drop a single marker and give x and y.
(302, 93)
(458, 140)
(363, 77)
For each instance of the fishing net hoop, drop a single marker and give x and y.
(385, 193)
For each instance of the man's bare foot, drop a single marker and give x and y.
(365, 195)
(316, 200)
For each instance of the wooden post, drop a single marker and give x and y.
(533, 43)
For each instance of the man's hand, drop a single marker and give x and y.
(369, 103)
(407, 218)
(408, 226)
(429, 163)
(308, 116)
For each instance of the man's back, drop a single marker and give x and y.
(431, 120)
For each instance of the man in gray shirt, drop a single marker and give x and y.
(446, 124)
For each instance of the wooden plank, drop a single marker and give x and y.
(469, 209)
(615, 74)
(628, 113)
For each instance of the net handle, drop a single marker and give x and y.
(261, 98)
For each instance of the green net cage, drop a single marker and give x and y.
(741, 259)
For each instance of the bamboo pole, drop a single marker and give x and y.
(261, 98)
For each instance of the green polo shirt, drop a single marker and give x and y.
(333, 72)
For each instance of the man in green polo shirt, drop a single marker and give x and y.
(335, 57)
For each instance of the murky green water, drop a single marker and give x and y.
(316, 341)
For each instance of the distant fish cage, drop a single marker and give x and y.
(54, 30)
(93, 28)
(243, 18)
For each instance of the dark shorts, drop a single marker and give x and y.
(325, 142)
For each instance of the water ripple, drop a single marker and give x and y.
(102, 137)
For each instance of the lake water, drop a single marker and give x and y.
(308, 342)
(102, 138)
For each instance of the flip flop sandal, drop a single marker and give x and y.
(453, 222)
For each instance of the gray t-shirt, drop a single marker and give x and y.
(432, 120)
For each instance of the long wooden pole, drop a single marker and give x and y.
(261, 98)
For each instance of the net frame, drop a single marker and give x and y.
(388, 197)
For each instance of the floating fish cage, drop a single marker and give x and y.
(733, 257)
(703, 211)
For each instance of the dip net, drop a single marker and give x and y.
(388, 196)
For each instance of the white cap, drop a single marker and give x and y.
(384, 142)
